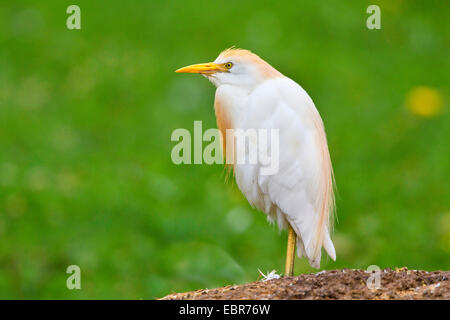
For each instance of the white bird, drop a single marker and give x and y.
(251, 94)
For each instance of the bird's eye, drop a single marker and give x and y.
(228, 65)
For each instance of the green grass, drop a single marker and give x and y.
(85, 124)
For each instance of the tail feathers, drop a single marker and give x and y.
(328, 245)
(300, 248)
(307, 248)
(313, 254)
(315, 262)
(304, 245)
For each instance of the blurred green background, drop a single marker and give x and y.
(86, 117)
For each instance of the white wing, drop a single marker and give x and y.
(301, 192)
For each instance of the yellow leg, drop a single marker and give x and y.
(290, 255)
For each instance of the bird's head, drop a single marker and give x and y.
(236, 67)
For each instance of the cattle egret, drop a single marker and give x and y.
(300, 195)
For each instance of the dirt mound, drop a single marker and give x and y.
(335, 284)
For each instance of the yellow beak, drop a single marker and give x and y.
(203, 68)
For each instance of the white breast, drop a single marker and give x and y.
(299, 190)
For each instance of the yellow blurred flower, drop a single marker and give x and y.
(424, 101)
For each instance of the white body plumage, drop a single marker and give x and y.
(253, 95)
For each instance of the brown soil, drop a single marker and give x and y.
(334, 284)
